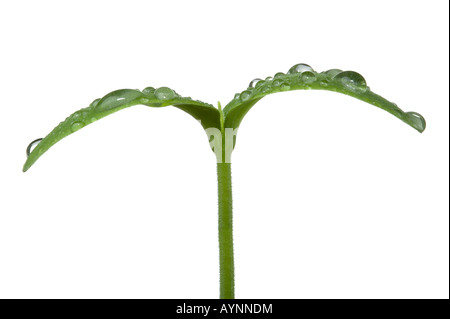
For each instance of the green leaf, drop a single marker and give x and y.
(303, 77)
(118, 100)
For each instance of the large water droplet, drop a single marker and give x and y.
(164, 93)
(245, 95)
(352, 80)
(117, 98)
(76, 126)
(332, 73)
(255, 82)
(417, 121)
(237, 96)
(300, 68)
(148, 90)
(308, 77)
(32, 145)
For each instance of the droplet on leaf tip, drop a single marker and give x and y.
(32, 145)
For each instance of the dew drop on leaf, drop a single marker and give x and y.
(416, 120)
(352, 80)
(269, 78)
(76, 126)
(245, 95)
(237, 96)
(308, 77)
(276, 83)
(324, 83)
(284, 87)
(300, 68)
(332, 73)
(164, 93)
(32, 145)
(117, 98)
(94, 103)
(278, 75)
(148, 90)
(266, 88)
(254, 83)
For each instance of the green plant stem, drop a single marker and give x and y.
(225, 231)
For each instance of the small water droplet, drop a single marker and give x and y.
(245, 95)
(324, 83)
(417, 121)
(300, 68)
(266, 89)
(285, 87)
(332, 73)
(149, 90)
(164, 93)
(308, 77)
(76, 126)
(117, 98)
(237, 96)
(144, 100)
(279, 75)
(352, 81)
(254, 83)
(33, 145)
(269, 78)
(276, 82)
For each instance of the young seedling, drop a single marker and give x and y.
(221, 127)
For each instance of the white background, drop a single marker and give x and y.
(333, 197)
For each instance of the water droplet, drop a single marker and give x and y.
(324, 83)
(267, 88)
(76, 126)
(144, 100)
(285, 87)
(332, 73)
(149, 90)
(94, 103)
(269, 78)
(352, 80)
(300, 68)
(164, 93)
(245, 95)
(279, 75)
(308, 77)
(276, 82)
(417, 121)
(255, 82)
(117, 98)
(33, 145)
(237, 96)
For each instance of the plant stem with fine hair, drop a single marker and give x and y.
(225, 231)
